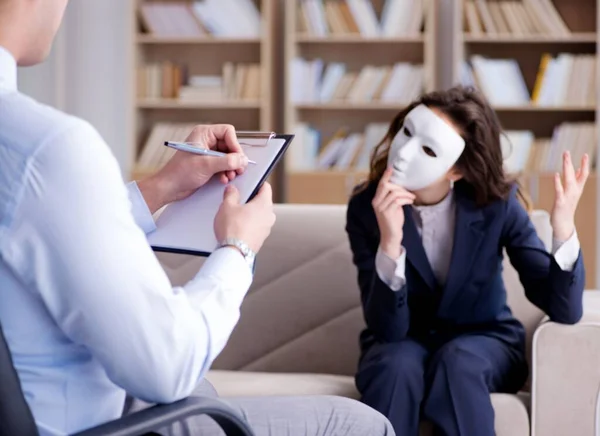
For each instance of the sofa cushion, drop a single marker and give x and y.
(303, 312)
(512, 416)
(261, 384)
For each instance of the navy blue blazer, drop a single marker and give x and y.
(473, 298)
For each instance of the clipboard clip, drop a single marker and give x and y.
(252, 136)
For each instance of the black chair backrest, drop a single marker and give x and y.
(15, 415)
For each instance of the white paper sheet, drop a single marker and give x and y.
(187, 225)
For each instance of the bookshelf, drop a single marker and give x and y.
(332, 54)
(545, 58)
(194, 66)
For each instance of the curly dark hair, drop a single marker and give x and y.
(481, 163)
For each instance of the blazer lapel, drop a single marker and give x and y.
(468, 235)
(415, 253)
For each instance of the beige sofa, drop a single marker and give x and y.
(299, 327)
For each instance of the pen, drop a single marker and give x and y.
(184, 146)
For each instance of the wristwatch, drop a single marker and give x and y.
(249, 255)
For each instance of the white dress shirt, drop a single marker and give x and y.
(435, 224)
(87, 310)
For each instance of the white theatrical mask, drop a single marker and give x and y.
(424, 149)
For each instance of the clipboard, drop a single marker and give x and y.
(187, 226)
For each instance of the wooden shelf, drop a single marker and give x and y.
(374, 106)
(179, 104)
(188, 57)
(347, 106)
(151, 39)
(358, 39)
(355, 51)
(329, 173)
(580, 16)
(544, 109)
(575, 38)
(323, 187)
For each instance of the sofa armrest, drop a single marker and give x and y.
(566, 374)
(153, 419)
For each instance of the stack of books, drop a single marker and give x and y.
(513, 17)
(346, 17)
(160, 80)
(565, 79)
(314, 82)
(218, 18)
(168, 80)
(522, 151)
(343, 151)
(576, 137)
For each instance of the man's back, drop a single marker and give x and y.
(64, 384)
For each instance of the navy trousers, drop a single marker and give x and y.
(448, 385)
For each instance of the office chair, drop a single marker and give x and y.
(16, 417)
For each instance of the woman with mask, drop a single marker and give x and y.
(427, 232)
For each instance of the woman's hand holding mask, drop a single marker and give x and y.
(567, 196)
(387, 203)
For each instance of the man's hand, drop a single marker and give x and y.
(250, 222)
(186, 172)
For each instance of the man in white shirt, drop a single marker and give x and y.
(86, 309)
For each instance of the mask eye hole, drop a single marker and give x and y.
(429, 152)
(406, 131)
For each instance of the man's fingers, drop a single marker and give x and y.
(229, 162)
(226, 138)
(265, 194)
(231, 195)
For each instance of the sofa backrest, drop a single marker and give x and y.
(303, 312)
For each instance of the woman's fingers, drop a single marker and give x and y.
(568, 171)
(380, 192)
(394, 195)
(385, 187)
(398, 203)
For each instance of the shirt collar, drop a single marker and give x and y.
(8, 70)
(442, 206)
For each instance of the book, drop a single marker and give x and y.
(217, 18)
(173, 81)
(322, 18)
(314, 81)
(513, 17)
(343, 150)
(564, 79)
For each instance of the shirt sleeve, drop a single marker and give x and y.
(75, 243)
(566, 252)
(390, 271)
(139, 208)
